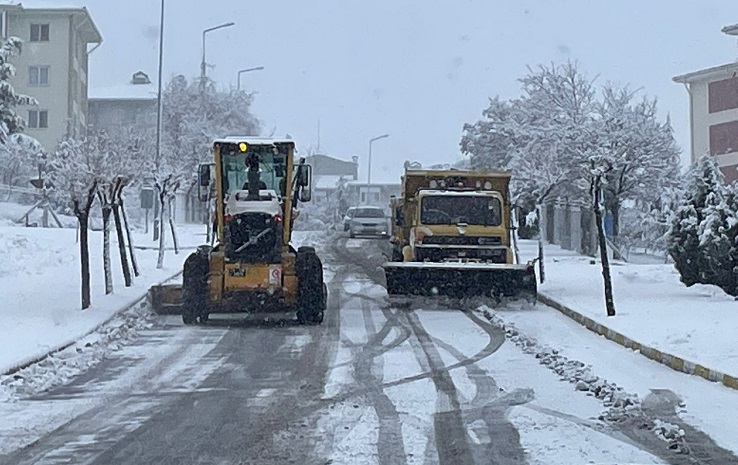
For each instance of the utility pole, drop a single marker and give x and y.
(157, 155)
(369, 170)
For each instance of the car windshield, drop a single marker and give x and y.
(455, 209)
(368, 213)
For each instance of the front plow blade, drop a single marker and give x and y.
(166, 299)
(461, 280)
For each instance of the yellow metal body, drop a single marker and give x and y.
(407, 229)
(229, 279)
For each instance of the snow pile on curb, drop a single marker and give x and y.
(621, 405)
(61, 367)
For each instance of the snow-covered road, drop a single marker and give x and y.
(373, 385)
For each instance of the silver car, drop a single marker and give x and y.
(368, 221)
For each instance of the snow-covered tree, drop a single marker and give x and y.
(17, 152)
(10, 121)
(703, 193)
(18, 159)
(644, 153)
(74, 175)
(489, 142)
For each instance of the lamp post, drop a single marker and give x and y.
(203, 64)
(158, 121)
(369, 170)
(258, 68)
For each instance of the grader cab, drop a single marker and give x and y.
(252, 267)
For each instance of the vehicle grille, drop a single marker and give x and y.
(439, 255)
(462, 240)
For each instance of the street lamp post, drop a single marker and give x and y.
(158, 121)
(371, 141)
(258, 68)
(203, 64)
(369, 168)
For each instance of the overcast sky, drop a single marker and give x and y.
(416, 69)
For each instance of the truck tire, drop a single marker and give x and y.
(195, 288)
(311, 296)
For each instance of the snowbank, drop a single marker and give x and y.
(653, 307)
(40, 287)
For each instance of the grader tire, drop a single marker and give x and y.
(310, 288)
(195, 288)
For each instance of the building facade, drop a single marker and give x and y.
(713, 113)
(131, 105)
(52, 68)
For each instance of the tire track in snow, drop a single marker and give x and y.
(450, 432)
(368, 369)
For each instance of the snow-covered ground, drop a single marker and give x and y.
(40, 284)
(653, 307)
(40, 281)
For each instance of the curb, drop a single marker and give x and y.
(672, 361)
(131, 303)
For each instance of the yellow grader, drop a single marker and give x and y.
(252, 268)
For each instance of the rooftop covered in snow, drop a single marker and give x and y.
(727, 70)
(87, 28)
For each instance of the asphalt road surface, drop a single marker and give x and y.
(373, 385)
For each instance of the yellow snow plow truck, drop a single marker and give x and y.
(252, 267)
(452, 235)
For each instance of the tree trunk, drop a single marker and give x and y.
(131, 249)
(162, 231)
(609, 303)
(106, 210)
(121, 245)
(171, 226)
(157, 217)
(84, 254)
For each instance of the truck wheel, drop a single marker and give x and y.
(195, 288)
(310, 288)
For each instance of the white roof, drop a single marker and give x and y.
(46, 4)
(251, 140)
(124, 92)
(327, 181)
(723, 72)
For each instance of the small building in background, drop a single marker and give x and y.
(713, 113)
(53, 67)
(131, 105)
(330, 176)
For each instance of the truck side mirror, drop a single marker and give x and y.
(305, 181)
(203, 182)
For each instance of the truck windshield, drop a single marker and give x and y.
(272, 169)
(455, 209)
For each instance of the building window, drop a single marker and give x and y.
(39, 32)
(38, 119)
(723, 95)
(38, 75)
(724, 138)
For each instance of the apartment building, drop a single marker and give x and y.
(53, 66)
(713, 112)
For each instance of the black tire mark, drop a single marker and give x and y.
(368, 370)
(450, 432)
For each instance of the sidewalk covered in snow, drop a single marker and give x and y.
(653, 307)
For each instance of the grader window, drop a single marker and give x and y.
(272, 167)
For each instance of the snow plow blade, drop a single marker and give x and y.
(461, 280)
(166, 299)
